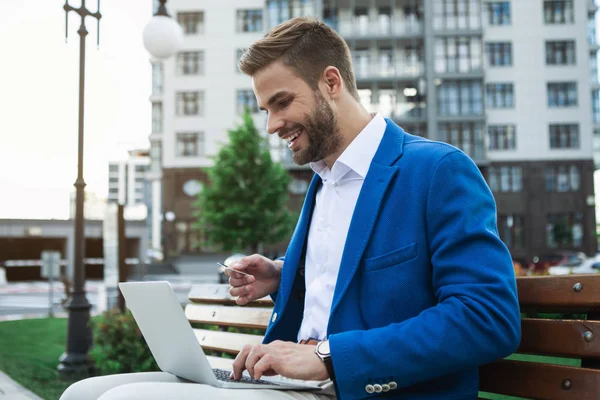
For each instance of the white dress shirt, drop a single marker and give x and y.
(334, 206)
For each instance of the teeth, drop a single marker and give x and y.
(292, 137)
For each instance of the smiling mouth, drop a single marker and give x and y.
(293, 138)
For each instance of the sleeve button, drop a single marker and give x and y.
(369, 389)
(385, 387)
(377, 388)
(393, 385)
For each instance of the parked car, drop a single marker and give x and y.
(229, 261)
(588, 266)
(566, 259)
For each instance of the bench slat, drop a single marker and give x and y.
(539, 381)
(247, 317)
(560, 337)
(226, 342)
(219, 294)
(556, 293)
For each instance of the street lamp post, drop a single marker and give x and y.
(75, 360)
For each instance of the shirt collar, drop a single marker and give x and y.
(359, 153)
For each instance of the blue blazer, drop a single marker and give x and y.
(426, 289)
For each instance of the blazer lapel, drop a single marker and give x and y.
(381, 172)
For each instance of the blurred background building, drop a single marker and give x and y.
(514, 84)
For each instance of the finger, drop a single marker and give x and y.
(267, 365)
(244, 290)
(243, 280)
(242, 300)
(254, 356)
(239, 364)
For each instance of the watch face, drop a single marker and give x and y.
(324, 348)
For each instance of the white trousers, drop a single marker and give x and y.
(162, 385)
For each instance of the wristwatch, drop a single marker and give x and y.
(322, 351)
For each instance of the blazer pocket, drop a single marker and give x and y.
(392, 258)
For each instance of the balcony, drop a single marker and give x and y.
(364, 28)
(383, 71)
(400, 112)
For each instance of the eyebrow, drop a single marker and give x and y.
(276, 97)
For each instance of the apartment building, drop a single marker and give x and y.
(512, 83)
(127, 184)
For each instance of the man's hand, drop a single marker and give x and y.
(266, 275)
(288, 359)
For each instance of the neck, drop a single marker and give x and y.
(352, 119)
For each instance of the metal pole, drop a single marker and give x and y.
(76, 361)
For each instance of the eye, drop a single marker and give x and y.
(285, 103)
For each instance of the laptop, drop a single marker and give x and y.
(171, 340)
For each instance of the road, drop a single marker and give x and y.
(33, 298)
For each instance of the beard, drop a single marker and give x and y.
(322, 132)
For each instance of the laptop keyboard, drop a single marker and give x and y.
(223, 375)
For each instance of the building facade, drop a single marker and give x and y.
(512, 83)
(127, 183)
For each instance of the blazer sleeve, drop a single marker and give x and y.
(476, 319)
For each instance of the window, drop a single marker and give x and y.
(560, 53)
(511, 230)
(593, 68)
(238, 57)
(191, 22)
(249, 20)
(497, 13)
(502, 137)
(190, 144)
(114, 168)
(466, 136)
(505, 179)
(330, 17)
(190, 63)
(190, 103)
(596, 105)
(456, 14)
(246, 99)
(564, 136)
(563, 178)
(558, 12)
(157, 118)
(499, 95)
(155, 156)
(157, 79)
(140, 168)
(564, 230)
(460, 98)
(499, 53)
(562, 94)
(279, 11)
(457, 54)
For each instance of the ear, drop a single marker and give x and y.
(334, 84)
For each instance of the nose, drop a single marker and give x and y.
(274, 124)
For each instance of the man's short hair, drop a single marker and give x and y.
(306, 45)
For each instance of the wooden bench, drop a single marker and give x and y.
(573, 340)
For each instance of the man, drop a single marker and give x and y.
(395, 267)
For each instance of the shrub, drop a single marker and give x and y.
(119, 345)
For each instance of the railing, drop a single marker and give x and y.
(379, 28)
(387, 70)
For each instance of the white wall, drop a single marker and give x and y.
(219, 82)
(528, 35)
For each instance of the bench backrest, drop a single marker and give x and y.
(561, 320)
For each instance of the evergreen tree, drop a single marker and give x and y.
(245, 203)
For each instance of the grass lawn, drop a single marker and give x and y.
(29, 351)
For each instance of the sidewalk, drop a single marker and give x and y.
(11, 390)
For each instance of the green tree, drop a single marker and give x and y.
(245, 203)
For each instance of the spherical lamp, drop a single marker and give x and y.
(162, 36)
